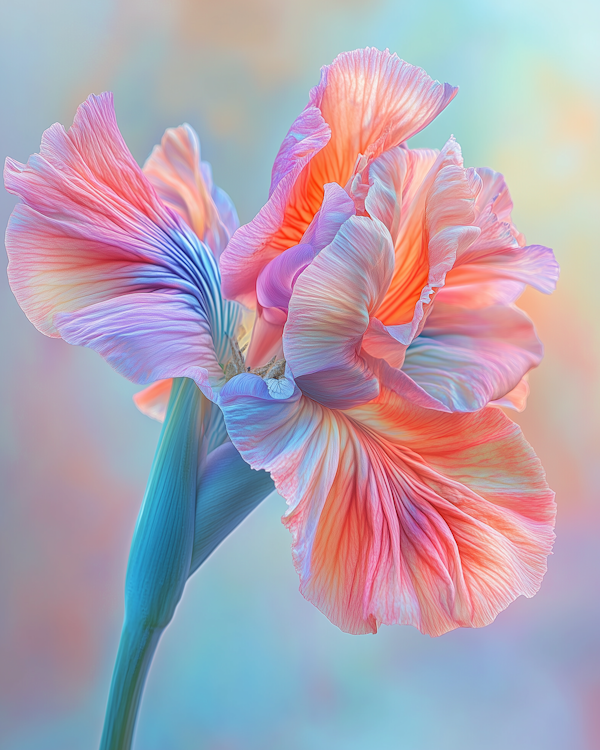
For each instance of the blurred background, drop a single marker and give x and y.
(247, 663)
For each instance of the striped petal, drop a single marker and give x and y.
(466, 358)
(439, 227)
(400, 514)
(366, 102)
(148, 337)
(184, 183)
(498, 265)
(329, 312)
(92, 235)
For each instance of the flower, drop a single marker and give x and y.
(386, 278)
(124, 261)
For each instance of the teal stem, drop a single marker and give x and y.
(136, 651)
(159, 560)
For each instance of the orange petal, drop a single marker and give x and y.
(400, 514)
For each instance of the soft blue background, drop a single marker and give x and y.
(248, 664)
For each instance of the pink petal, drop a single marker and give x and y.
(184, 183)
(93, 226)
(276, 280)
(279, 224)
(466, 358)
(93, 233)
(372, 101)
(515, 399)
(441, 198)
(496, 268)
(366, 102)
(400, 514)
(437, 226)
(329, 312)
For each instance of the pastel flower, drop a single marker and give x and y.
(386, 278)
(125, 262)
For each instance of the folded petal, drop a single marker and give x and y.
(372, 101)
(184, 183)
(515, 399)
(466, 358)
(329, 312)
(498, 265)
(147, 337)
(92, 230)
(392, 182)
(280, 223)
(400, 514)
(367, 101)
(438, 228)
(276, 281)
(440, 198)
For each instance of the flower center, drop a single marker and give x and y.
(275, 368)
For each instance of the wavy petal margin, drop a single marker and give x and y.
(400, 514)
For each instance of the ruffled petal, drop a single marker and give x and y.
(439, 226)
(400, 514)
(276, 281)
(372, 101)
(184, 183)
(496, 268)
(367, 101)
(466, 358)
(439, 199)
(279, 224)
(329, 313)
(391, 183)
(92, 230)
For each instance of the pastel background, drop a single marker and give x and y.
(248, 664)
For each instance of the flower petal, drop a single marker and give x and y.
(184, 183)
(93, 230)
(496, 268)
(400, 514)
(329, 313)
(444, 199)
(438, 228)
(148, 337)
(154, 399)
(372, 101)
(466, 358)
(367, 101)
(278, 225)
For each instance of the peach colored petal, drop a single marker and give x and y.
(154, 399)
(438, 228)
(96, 257)
(515, 399)
(444, 197)
(400, 514)
(467, 357)
(329, 312)
(496, 268)
(366, 102)
(184, 183)
(278, 225)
